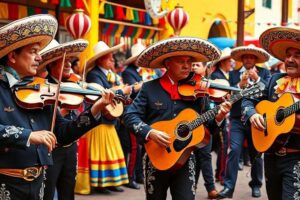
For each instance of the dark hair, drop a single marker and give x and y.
(74, 62)
(4, 59)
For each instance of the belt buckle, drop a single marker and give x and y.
(281, 152)
(31, 173)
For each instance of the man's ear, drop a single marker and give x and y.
(11, 57)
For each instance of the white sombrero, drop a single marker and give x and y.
(101, 49)
(136, 49)
(277, 40)
(55, 51)
(238, 52)
(34, 29)
(226, 53)
(201, 50)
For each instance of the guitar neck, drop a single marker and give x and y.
(209, 115)
(292, 109)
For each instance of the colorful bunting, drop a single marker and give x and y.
(55, 2)
(3, 11)
(101, 8)
(135, 16)
(65, 3)
(129, 14)
(13, 7)
(147, 19)
(120, 15)
(108, 11)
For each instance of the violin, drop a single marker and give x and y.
(40, 93)
(198, 86)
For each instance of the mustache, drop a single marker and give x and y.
(291, 64)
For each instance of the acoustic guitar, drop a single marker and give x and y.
(279, 119)
(186, 132)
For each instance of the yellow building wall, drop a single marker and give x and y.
(203, 13)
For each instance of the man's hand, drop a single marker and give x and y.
(106, 99)
(160, 137)
(258, 121)
(224, 109)
(127, 90)
(253, 74)
(43, 137)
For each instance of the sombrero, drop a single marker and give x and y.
(238, 52)
(136, 49)
(55, 51)
(277, 40)
(201, 50)
(101, 49)
(34, 29)
(226, 53)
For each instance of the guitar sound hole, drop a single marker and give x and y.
(183, 130)
(280, 116)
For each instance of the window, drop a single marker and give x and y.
(267, 3)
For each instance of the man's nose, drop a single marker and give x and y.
(38, 57)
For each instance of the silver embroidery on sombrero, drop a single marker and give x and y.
(30, 29)
(4, 193)
(178, 45)
(272, 36)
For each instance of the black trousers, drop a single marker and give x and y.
(19, 189)
(181, 182)
(204, 164)
(62, 174)
(282, 174)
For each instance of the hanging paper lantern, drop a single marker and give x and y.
(78, 24)
(177, 18)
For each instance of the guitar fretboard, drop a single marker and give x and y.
(291, 109)
(209, 115)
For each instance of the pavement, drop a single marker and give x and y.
(242, 190)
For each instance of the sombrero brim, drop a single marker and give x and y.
(219, 60)
(277, 40)
(200, 50)
(34, 29)
(91, 62)
(72, 49)
(261, 55)
(130, 60)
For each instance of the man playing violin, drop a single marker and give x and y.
(247, 75)
(61, 175)
(282, 167)
(159, 100)
(26, 142)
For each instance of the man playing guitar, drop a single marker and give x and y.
(282, 167)
(159, 100)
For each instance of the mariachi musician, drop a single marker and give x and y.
(25, 136)
(159, 100)
(247, 75)
(282, 167)
(61, 175)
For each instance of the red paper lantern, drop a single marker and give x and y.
(177, 18)
(78, 24)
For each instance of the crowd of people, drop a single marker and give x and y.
(65, 132)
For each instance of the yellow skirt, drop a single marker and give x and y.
(107, 165)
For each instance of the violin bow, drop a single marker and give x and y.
(57, 93)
